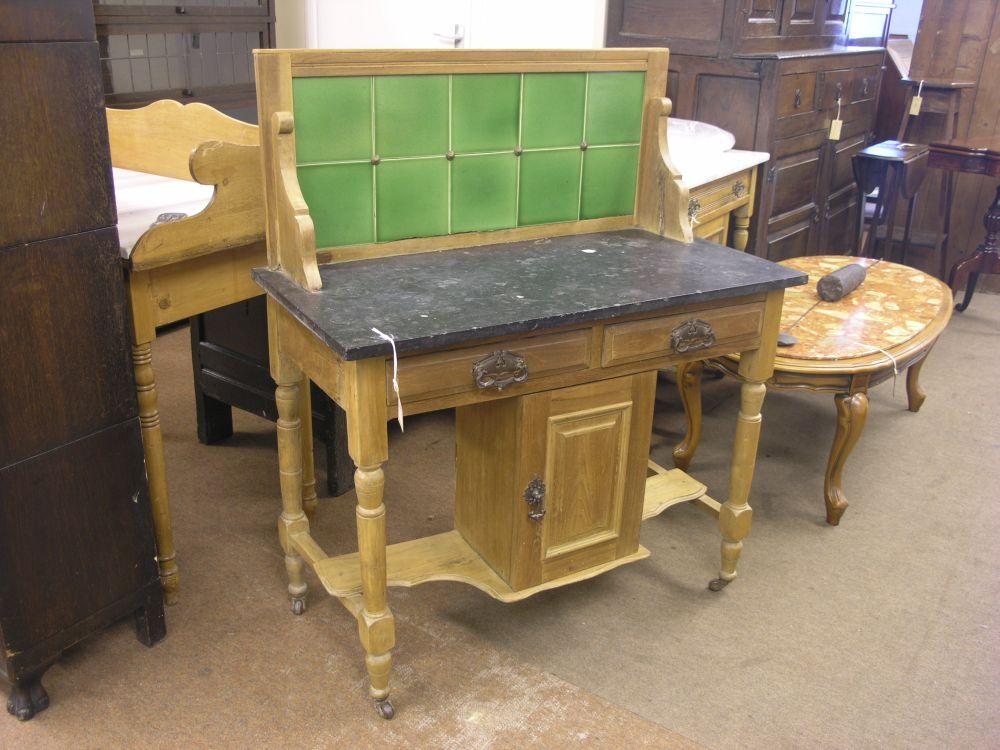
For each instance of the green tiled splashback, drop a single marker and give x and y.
(390, 157)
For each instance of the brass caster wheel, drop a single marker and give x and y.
(298, 606)
(385, 709)
(718, 584)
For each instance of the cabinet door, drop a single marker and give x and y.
(802, 17)
(589, 445)
(760, 18)
(835, 20)
(793, 205)
(839, 226)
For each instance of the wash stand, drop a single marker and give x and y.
(502, 233)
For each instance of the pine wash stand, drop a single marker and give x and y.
(512, 220)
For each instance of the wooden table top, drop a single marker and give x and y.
(894, 305)
(973, 155)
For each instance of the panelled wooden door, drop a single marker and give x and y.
(589, 445)
(802, 17)
(760, 18)
(792, 186)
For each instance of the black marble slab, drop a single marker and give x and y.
(440, 299)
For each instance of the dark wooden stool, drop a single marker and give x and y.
(897, 170)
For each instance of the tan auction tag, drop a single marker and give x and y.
(835, 127)
(915, 105)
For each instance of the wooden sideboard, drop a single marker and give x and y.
(76, 538)
(774, 74)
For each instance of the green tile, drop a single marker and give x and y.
(333, 118)
(340, 202)
(483, 192)
(550, 187)
(484, 112)
(614, 107)
(411, 198)
(411, 115)
(552, 109)
(609, 181)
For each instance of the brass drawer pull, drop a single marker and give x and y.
(534, 496)
(692, 335)
(500, 369)
(798, 98)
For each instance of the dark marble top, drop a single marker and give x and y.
(439, 299)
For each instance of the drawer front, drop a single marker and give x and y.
(835, 85)
(715, 230)
(796, 94)
(723, 195)
(692, 335)
(865, 84)
(444, 373)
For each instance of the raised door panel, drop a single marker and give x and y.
(760, 18)
(794, 183)
(792, 241)
(685, 27)
(839, 234)
(802, 17)
(835, 18)
(589, 445)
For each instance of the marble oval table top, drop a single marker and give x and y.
(894, 304)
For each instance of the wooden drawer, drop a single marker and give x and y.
(834, 85)
(796, 94)
(444, 373)
(732, 327)
(865, 85)
(708, 201)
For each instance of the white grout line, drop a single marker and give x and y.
(451, 115)
(517, 178)
(579, 192)
(374, 170)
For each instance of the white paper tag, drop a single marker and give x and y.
(915, 104)
(835, 127)
(395, 372)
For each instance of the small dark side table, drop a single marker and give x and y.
(897, 169)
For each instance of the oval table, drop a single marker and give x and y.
(890, 323)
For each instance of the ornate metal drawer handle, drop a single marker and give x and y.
(798, 98)
(534, 496)
(692, 335)
(739, 188)
(500, 369)
(694, 206)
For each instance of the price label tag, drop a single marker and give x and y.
(835, 127)
(915, 105)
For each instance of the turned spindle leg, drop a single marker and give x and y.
(756, 366)
(309, 501)
(152, 448)
(736, 514)
(368, 442)
(852, 412)
(689, 388)
(741, 227)
(292, 519)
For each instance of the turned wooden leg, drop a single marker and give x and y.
(735, 514)
(689, 387)
(292, 519)
(852, 411)
(152, 448)
(915, 395)
(309, 501)
(756, 366)
(368, 441)
(27, 697)
(741, 227)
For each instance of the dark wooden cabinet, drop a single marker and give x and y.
(76, 543)
(192, 51)
(776, 74)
